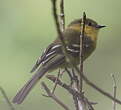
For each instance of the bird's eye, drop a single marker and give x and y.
(89, 24)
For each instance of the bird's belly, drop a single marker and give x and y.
(89, 47)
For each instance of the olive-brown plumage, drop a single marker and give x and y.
(53, 57)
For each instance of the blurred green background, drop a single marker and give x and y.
(27, 27)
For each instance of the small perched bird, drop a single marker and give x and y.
(53, 57)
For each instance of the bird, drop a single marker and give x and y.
(53, 57)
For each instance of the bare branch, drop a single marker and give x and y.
(62, 16)
(75, 86)
(76, 102)
(87, 81)
(81, 50)
(76, 95)
(54, 9)
(7, 99)
(54, 97)
(114, 91)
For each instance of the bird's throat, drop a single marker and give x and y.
(89, 31)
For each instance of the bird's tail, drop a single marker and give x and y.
(21, 95)
(54, 63)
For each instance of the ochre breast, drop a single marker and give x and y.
(89, 31)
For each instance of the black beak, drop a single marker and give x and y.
(99, 26)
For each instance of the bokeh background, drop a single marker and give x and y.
(27, 27)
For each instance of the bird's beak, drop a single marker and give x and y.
(100, 26)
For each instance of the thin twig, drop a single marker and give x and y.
(72, 76)
(94, 86)
(65, 86)
(81, 50)
(53, 96)
(75, 86)
(62, 16)
(76, 102)
(7, 99)
(114, 91)
(82, 105)
(57, 22)
(55, 84)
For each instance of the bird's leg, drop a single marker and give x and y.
(75, 78)
(72, 76)
(55, 84)
(61, 74)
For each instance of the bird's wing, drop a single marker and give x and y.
(24, 91)
(47, 55)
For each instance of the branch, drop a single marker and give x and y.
(76, 95)
(62, 16)
(75, 86)
(53, 96)
(81, 50)
(97, 88)
(7, 99)
(60, 35)
(114, 91)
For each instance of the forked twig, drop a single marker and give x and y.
(53, 96)
(7, 99)
(72, 91)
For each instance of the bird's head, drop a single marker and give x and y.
(91, 27)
